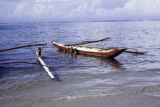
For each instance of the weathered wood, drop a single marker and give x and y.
(23, 46)
(132, 50)
(88, 42)
(135, 51)
(90, 51)
(44, 66)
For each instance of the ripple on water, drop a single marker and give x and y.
(80, 76)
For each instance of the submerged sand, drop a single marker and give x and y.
(130, 100)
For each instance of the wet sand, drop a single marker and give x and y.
(131, 100)
(112, 101)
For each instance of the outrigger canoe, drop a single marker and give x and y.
(89, 51)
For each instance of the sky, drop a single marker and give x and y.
(78, 10)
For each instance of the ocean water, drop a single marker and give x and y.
(78, 77)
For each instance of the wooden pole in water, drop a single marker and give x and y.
(135, 51)
(39, 56)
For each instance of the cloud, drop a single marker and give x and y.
(144, 9)
(75, 10)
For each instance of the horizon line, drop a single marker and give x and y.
(126, 20)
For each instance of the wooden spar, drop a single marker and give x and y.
(23, 46)
(132, 50)
(135, 51)
(44, 65)
(13, 61)
(87, 42)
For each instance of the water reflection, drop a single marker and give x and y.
(93, 61)
(114, 63)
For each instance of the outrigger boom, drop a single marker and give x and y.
(87, 42)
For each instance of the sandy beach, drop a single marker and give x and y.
(132, 100)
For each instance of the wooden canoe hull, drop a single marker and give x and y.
(107, 53)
